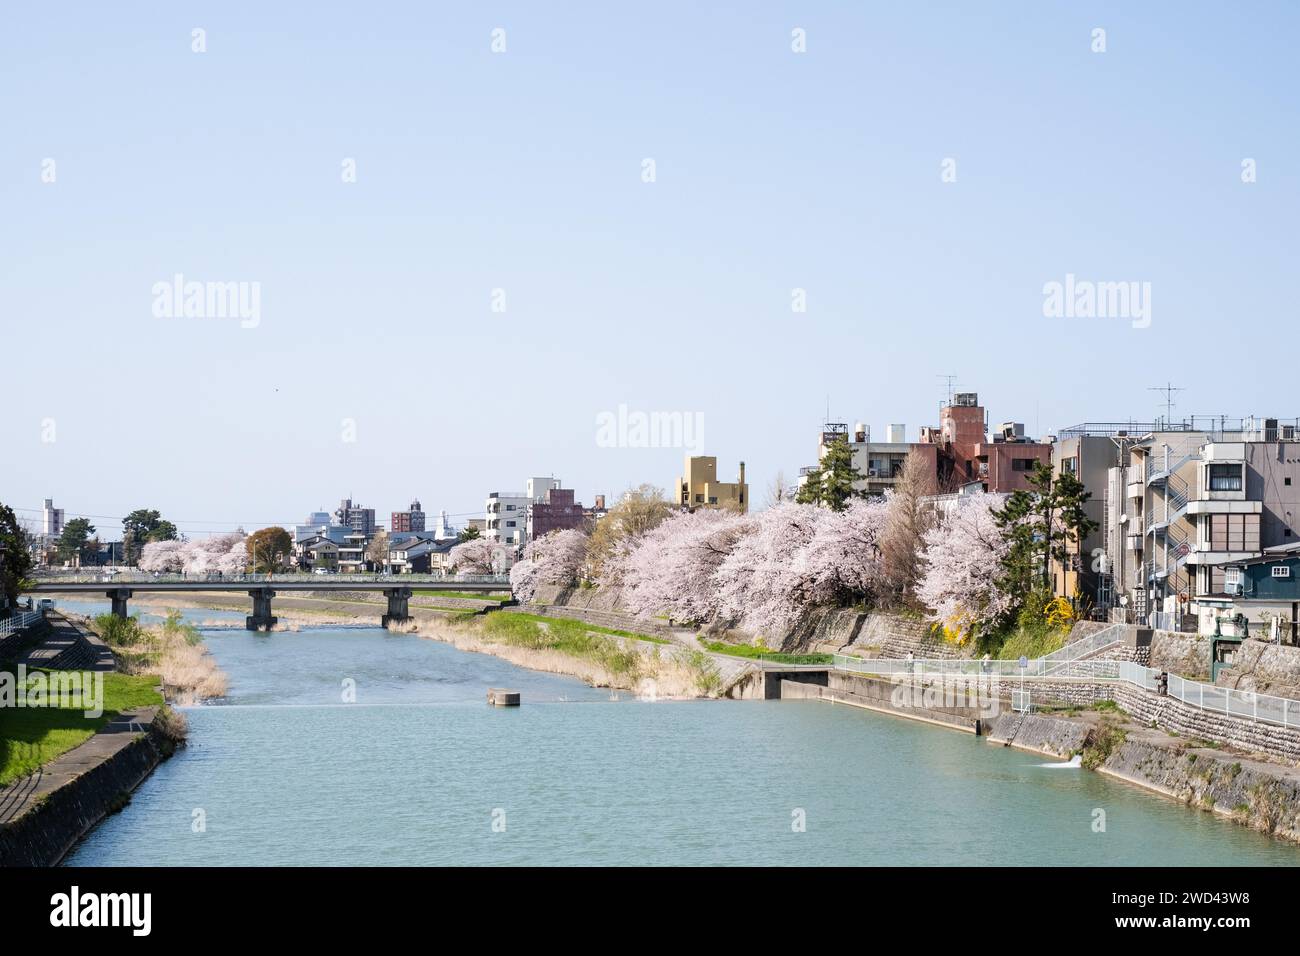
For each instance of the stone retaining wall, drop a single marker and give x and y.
(1170, 713)
(892, 637)
(1265, 668)
(1040, 733)
(878, 698)
(44, 834)
(1253, 793)
(1187, 655)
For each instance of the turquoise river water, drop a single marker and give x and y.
(420, 770)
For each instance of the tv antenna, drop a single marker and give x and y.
(1169, 389)
(948, 382)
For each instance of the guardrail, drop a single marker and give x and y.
(1088, 645)
(1265, 708)
(1038, 667)
(16, 622)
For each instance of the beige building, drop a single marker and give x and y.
(699, 486)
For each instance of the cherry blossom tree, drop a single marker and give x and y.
(776, 574)
(162, 557)
(555, 558)
(477, 556)
(219, 552)
(961, 561)
(845, 560)
(670, 569)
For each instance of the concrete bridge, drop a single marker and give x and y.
(263, 588)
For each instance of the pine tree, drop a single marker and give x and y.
(1041, 524)
(831, 482)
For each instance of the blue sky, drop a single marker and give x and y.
(522, 171)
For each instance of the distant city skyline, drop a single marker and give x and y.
(447, 266)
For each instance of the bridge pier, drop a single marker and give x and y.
(398, 606)
(261, 619)
(119, 597)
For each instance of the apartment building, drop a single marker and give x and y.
(965, 453)
(699, 487)
(506, 520)
(410, 520)
(356, 517)
(552, 508)
(1090, 451)
(1201, 500)
(879, 462)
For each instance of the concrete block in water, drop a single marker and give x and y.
(500, 697)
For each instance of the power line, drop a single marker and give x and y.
(215, 527)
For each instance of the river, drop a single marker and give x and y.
(419, 770)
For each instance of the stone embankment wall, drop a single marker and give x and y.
(1187, 655)
(48, 830)
(1170, 713)
(892, 637)
(1254, 793)
(1040, 733)
(1264, 668)
(13, 645)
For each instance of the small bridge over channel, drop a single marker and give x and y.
(263, 589)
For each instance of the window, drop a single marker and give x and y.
(699, 499)
(713, 500)
(1225, 477)
(510, 524)
(1281, 570)
(1022, 464)
(1231, 578)
(1286, 480)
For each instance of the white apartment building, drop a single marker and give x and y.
(507, 512)
(51, 520)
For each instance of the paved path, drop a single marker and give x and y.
(69, 647)
(17, 798)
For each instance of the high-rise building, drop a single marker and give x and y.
(356, 517)
(412, 519)
(51, 519)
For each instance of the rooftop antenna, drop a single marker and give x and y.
(1169, 389)
(948, 380)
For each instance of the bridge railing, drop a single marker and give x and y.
(125, 578)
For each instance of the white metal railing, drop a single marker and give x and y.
(1088, 645)
(1265, 708)
(16, 622)
(1038, 667)
(1020, 700)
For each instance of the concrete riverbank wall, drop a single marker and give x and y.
(66, 799)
